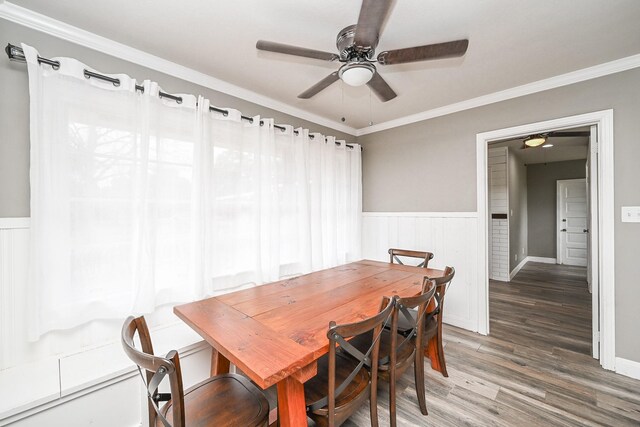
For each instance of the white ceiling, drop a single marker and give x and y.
(511, 43)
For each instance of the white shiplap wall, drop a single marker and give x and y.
(498, 190)
(498, 204)
(451, 236)
(499, 255)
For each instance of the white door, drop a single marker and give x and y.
(572, 222)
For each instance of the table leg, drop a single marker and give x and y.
(291, 407)
(433, 352)
(432, 349)
(219, 363)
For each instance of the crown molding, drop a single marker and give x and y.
(53, 27)
(572, 77)
(59, 29)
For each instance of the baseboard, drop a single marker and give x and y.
(532, 259)
(460, 322)
(628, 368)
(518, 267)
(545, 260)
(32, 408)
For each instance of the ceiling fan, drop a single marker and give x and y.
(539, 139)
(356, 48)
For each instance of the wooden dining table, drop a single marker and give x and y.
(276, 332)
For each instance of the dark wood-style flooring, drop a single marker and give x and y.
(534, 369)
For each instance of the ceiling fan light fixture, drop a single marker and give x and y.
(357, 73)
(535, 140)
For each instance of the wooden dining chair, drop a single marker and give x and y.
(433, 324)
(343, 382)
(395, 254)
(398, 352)
(222, 400)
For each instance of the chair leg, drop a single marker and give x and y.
(419, 381)
(373, 409)
(392, 397)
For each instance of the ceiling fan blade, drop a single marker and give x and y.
(423, 53)
(295, 50)
(381, 88)
(569, 133)
(373, 13)
(321, 85)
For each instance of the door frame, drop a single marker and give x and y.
(605, 208)
(559, 258)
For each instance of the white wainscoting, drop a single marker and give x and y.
(48, 384)
(451, 236)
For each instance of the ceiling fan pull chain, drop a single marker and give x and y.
(370, 109)
(343, 118)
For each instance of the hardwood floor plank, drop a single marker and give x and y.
(543, 413)
(591, 412)
(474, 384)
(628, 409)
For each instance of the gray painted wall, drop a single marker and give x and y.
(518, 214)
(541, 198)
(438, 157)
(14, 106)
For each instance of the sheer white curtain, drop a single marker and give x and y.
(139, 201)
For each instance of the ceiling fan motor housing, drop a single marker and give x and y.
(347, 48)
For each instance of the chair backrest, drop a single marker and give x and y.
(442, 284)
(394, 255)
(402, 307)
(338, 335)
(156, 369)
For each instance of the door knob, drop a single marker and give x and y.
(586, 230)
(564, 229)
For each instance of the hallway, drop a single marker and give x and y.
(545, 306)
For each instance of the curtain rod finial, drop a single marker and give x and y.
(15, 53)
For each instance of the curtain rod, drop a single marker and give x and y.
(15, 53)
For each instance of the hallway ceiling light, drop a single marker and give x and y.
(535, 140)
(538, 139)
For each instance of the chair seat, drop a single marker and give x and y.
(356, 393)
(223, 400)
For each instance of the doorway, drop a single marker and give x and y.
(538, 201)
(601, 215)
